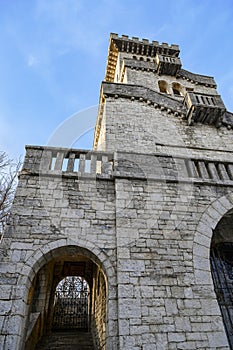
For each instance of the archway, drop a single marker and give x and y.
(81, 309)
(221, 258)
(202, 244)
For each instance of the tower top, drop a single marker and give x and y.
(135, 46)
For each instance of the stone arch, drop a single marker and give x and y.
(202, 264)
(53, 250)
(45, 252)
(203, 237)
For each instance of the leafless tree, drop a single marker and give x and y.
(8, 180)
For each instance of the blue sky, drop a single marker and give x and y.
(53, 57)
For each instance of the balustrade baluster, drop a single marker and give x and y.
(202, 170)
(70, 166)
(59, 161)
(46, 160)
(190, 165)
(222, 172)
(230, 170)
(212, 171)
(93, 163)
(82, 163)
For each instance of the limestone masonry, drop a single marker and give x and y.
(145, 218)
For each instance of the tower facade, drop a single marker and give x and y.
(145, 218)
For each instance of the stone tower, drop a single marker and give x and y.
(143, 221)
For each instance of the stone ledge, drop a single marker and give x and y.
(142, 93)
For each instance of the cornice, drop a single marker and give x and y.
(197, 78)
(141, 93)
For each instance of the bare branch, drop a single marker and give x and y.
(8, 181)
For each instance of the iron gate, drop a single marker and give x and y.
(71, 304)
(221, 258)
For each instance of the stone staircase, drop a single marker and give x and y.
(70, 340)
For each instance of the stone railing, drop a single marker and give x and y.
(209, 170)
(168, 65)
(173, 168)
(203, 108)
(63, 161)
(160, 167)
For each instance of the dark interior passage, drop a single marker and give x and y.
(221, 257)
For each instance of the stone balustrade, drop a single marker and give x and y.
(71, 162)
(161, 167)
(63, 161)
(203, 108)
(167, 65)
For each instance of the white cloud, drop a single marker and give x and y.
(32, 60)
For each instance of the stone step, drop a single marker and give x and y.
(70, 340)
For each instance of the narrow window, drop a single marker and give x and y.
(176, 88)
(163, 86)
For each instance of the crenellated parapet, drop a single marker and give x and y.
(135, 46)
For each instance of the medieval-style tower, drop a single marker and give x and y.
(131, 242)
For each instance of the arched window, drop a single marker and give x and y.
(177, 89)
(163, 86)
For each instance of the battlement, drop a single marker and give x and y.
(163, 46)
(135, 46)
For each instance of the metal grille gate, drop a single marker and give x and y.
(221, 258)
(71, 304)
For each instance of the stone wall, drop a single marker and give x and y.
(142, 221)
(162, 305)
(144, 128)
(55, 216)
(150, 79)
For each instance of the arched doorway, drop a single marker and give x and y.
(221, 258)
(65, 296)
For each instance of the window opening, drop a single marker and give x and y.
(176, 89)
(163, 87)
